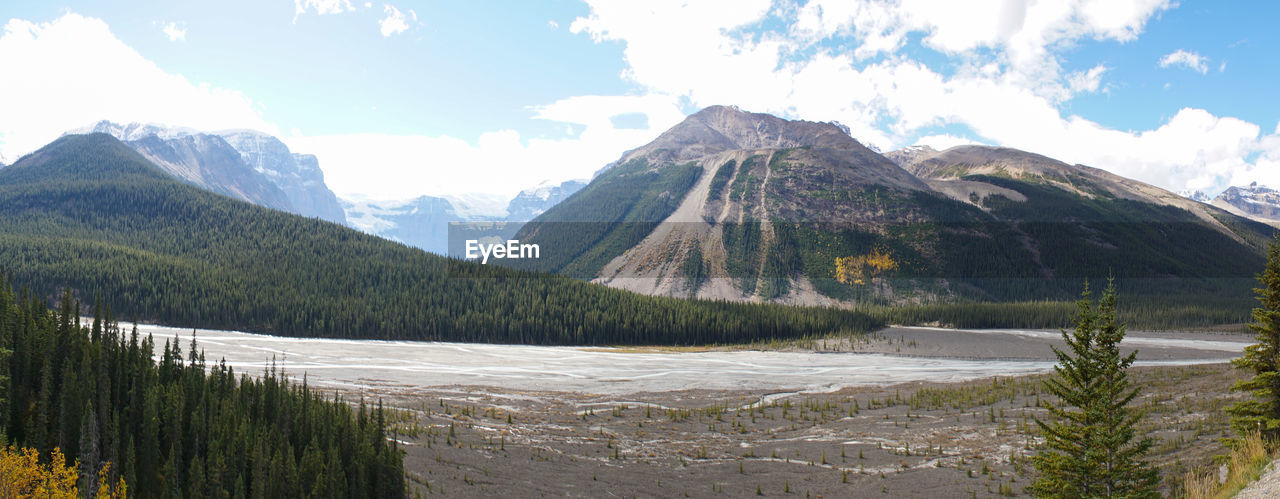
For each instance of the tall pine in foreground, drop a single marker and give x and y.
(1091, 444)
(94, 400)
(1261, 413)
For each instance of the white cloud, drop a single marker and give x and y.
(76, 72)
(944, 141)
(321, 7)
(1007, 85)
(396, 22)
(1186, 59)
(175, 31)
(1086, 81)
(377, 166)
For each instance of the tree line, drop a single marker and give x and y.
(180, 426)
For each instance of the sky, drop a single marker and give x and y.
(401, 99)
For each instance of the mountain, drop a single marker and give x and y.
(424, 222)
(247, 165)
(1194, 195)
(532, 202)
(748, 207)
(910, 154)
(203, 160)
(90, 214)
(1255, 202)
(298, 175)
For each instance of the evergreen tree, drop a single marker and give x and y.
(1090, 446)
(89, 456)
(1262, 412)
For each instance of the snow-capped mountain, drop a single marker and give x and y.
(248, 165)
(424, 222)
(532, 202)
(298, 175)
(203, 160)
(1255, 201)
(1195, 195)
(910, 154)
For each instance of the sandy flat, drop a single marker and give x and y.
(903, 354)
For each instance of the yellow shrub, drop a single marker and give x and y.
(22, 475)
(855, 269)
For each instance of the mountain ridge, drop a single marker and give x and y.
(90, 214)
(245, 164)
(749, 207)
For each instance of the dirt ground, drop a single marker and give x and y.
(969, 439)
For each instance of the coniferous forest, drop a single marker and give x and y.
(180, 427)
(88, 213)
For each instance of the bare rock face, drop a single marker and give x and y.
(203, 160)
(244, 164)
(717, 129)
(1255, 201)
(910, 155)
(298, 175)
(209, 162)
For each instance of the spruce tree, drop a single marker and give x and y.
(1261, 413)
(1091, 449)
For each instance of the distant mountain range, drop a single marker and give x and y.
(259, 168)
(90, 215)
(745, 206)
(423, 222)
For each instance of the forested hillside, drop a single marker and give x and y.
(88, 213)
(179, 427)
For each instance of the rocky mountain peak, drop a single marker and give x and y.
(1258, 202)
(717, 129)
(910, 155)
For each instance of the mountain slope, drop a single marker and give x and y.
(1255, 202)
(208, 162)
(624, 203)
(298, 175)
(742, 206)
(246, 165)
(89, 213)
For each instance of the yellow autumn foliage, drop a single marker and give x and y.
(857, 269)
(22, 475)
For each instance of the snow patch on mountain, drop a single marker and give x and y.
(1258, 202)
(1195, 195)
(530, 203)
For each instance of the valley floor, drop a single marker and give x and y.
(908, 440)
(907, 412)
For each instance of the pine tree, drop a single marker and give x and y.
(90, 461)
(1090, 447)
(1261, 413)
